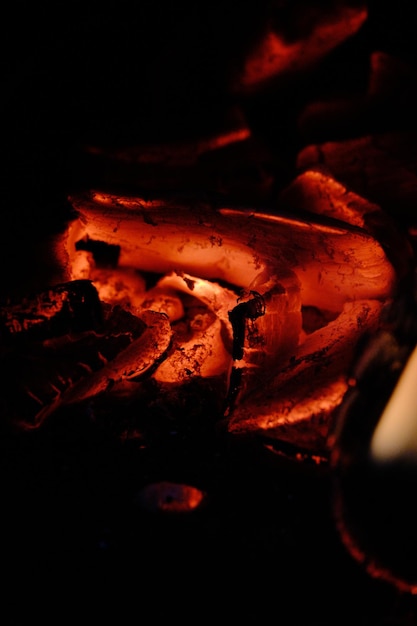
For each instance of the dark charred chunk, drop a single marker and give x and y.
(244, 311)
(69, 307)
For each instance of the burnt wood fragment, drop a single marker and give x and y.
(64, 308)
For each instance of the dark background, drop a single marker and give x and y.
(128, 73)
(265, 547)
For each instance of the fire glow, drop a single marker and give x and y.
(257, 302)
(275, 54)
(216, 285)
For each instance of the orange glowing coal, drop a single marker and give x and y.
(260, 312)
(259, 304)
(314, 36)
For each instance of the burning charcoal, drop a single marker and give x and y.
(165, 300)
(203, 337)
(318, 192)
(283, 264)
(297, 36)
(238, 246)
(124, 287)
(229, 161)
(190, 384)
(46, 373)
(243, 312)
(381, 168)
(170, 498)
(289, 407)
(198, 350)
(115, 285)
(260, 343)
(218, 298)
(180, 154)
(133, 362)
(70, 307)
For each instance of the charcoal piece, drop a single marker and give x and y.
(380, 167)
(244, 311)
(69, 307)
(39, 375)
(170, 498)
(291, 262)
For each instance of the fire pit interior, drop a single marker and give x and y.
(209, 234)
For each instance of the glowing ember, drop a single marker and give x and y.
(178, 154)
(249, 307)
(276, 54)
(239, 289)
(227, 312)
(170, 498)
(307, 389)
